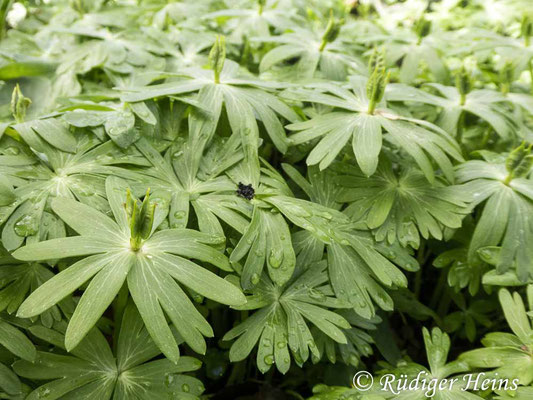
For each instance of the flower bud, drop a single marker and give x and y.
(141, 218)
(422, 27)
(519, 162)
(332, 31)
(463, 83)
(19, 104)
(375, 87)
(217, 57)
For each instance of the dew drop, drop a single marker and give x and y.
(179, 214)
(26, 226)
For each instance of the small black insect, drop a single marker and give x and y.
(246, 191)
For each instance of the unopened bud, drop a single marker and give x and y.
(463, 83)
(19, 104)
(217, 57)
(332, 31)
(519, 162)
(422, 27)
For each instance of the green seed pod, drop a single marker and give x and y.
(519, 162)
(217, 56)
(19, 104)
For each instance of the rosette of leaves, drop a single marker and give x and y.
(411, 48)
(129, 249)
(280, 326)
(56, 173)
(94, 371)
(507, 194)
(191, 174)
(245, 99)
(399, 204)
(318, 53)
(455, 102)
(508, 354)
(361, 114)
(357, 265)
(359, 342)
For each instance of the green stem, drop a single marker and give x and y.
(508, 179)
(294, 394)
(460, 128)
(372, 106)
(438, 289)
(323, 45)
(531, 74)
(418, 277)
(135, 243)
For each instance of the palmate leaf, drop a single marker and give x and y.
(280, 324)
(506, 216)
(400, 205)
(17, 280)
(417, 138)
(357, 265)
(14, 340)
(118, 120)
(333, 61)
(150, 272)
(245, 99)
(10, 385)
(191, 174)
(257, 21)
(122, 52)
(507, 354)
(487, 105)
(61, 174)
(406, 49)
(437, 346)
(359, 342)
(92, 371)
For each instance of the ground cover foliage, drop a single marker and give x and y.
(255, 199)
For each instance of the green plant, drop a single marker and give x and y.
(242, 199)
